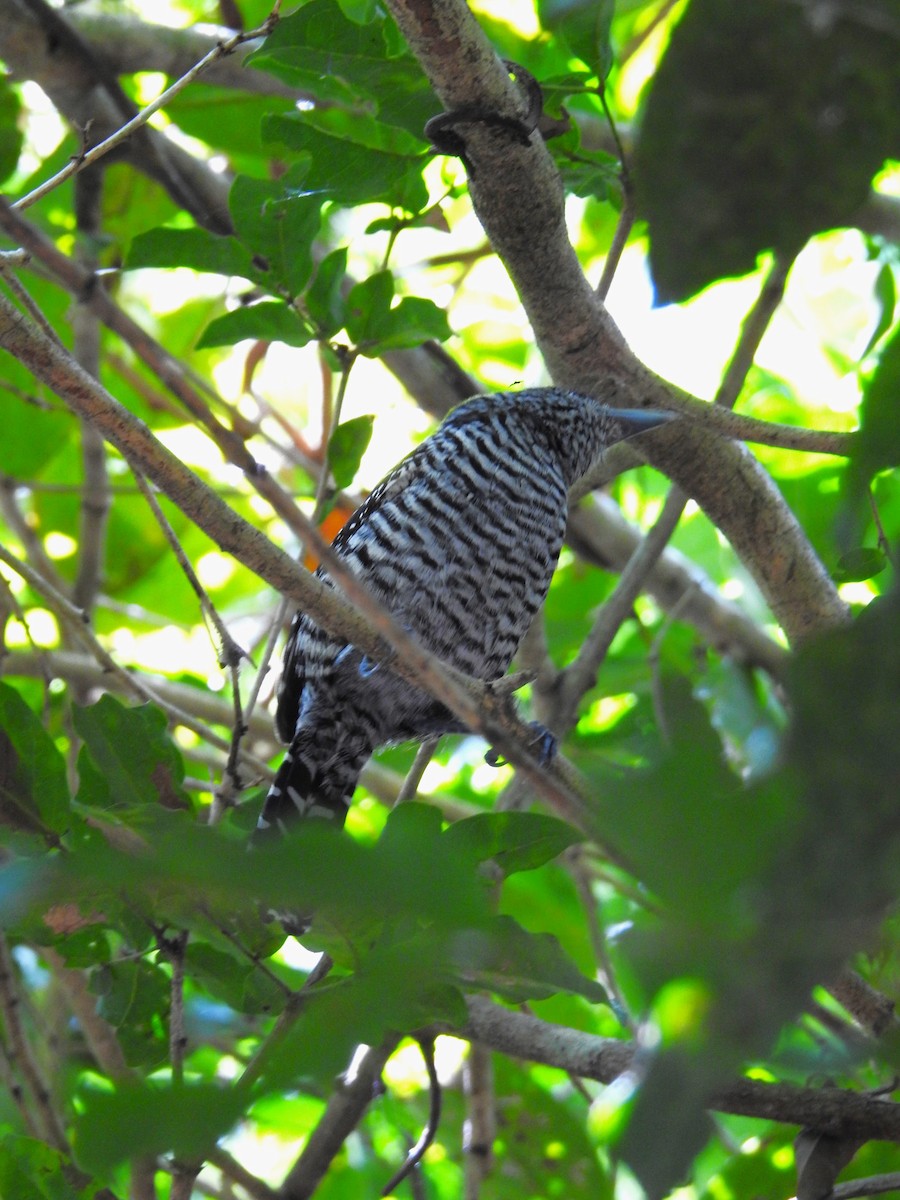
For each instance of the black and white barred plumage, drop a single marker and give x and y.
(460, 542)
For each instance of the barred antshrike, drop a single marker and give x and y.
(459, 542)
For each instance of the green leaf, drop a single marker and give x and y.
(688, 827)
(131, 995)
(408, 873)
(132, 751)
(662, 1137)
(324, 296)
(278, 223)
(761, 128)
(374, 326)
(359, 67)
(227, 119)
(12, 137)
(346, 447)
(410, 323)
(33, 434)
(504, 958)
(347, 171)
(195, 248)
(154, 1118)
(34, 791)
(845, 688)
(268, 321)
(32, 1170)
(368, 307)
(585, 26)
(361, 12)
(592, 174)
(878, 446)
(864, 562)
(398, 989)
(241, 985)
(552, 1150)
(885, 295)
(515, 841)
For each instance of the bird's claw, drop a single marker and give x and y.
(545, 742)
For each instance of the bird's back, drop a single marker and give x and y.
(459, 542)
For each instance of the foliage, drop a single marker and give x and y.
(730, 842)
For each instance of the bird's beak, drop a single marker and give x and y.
(633, 421)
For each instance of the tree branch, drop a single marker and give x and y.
(344, 1111)
(471, 700)
(137, 124)
(600, 533)
(828, 1110)
(37, 43)
(518, 197)
(126, 45)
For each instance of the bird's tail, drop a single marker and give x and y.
(315, 780)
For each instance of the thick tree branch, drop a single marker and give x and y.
(828, 1110)
(125, 44)
(518, 197)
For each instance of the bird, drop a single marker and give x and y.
(459, 542)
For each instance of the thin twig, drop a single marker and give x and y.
(753, 329)
(871, 1185)
(626, 216)
(653, 661)
(228, 652)
(10, 259)
(344, 1111)
(348, 358)
(21, 1055)
(424, 755)
(96, 500)
(429, 1133)
(480, 1126)
(86, 159)
(74, 620)
(84, 670)
(16, 1092)
(101, 1038)
(883, 541)
(631, 48)
(600, 534)
(581, 674)
(232, 937)
(581, 877)
(31, 542)
(236, 1173)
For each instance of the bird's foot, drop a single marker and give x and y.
(367, 665)
(545, 746)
